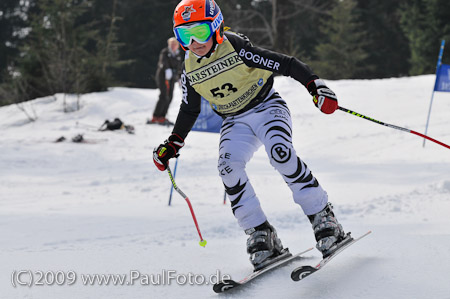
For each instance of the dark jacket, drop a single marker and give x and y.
(169, 60)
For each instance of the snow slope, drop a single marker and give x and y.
(102, 208)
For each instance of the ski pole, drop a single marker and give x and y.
(392, 126)
(202, 241)
(171, 187)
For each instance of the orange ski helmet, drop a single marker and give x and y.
(196, 11)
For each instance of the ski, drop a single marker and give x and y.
(304, 271)
(229, 284)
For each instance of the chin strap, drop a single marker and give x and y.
(213, 49)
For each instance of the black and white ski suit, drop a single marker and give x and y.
(237, 78)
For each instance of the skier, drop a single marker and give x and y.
(237, 78)
(167, 73)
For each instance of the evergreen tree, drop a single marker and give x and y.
(288, 27)
(11, 23)
(144, 30)
(425, 23)
(108, 21)
(66, 51)
(12, 30)
(342, 55)
(387, 46)
(415, 25)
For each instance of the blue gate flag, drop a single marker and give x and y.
(208, 120)
(443, 78)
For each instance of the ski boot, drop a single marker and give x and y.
(327, 230)
(264, 246)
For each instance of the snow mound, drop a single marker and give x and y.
(102, 207)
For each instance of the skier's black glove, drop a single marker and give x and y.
(323, 97)
(167, 150)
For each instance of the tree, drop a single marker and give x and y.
(58, 42)
(145, 28)
(425, 23)
(108, 21)
(11, 22)
(66, 51)
(342, 55)
(287, 26)
(12, 30)
(387, 45)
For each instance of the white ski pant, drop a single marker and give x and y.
(267, 124)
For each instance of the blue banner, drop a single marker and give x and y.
(443, 78)
(208, 120)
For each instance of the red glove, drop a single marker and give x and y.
(167, 150)
(323, 97)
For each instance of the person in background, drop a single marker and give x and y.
(168, 72)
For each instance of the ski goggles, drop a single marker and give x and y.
(198, 31)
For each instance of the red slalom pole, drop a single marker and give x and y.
(393, 127)
(202, 241)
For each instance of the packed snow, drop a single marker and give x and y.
(69, 210)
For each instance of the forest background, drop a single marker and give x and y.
(81, 46)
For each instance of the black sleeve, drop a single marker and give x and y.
(269, 60)
(189, 109)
